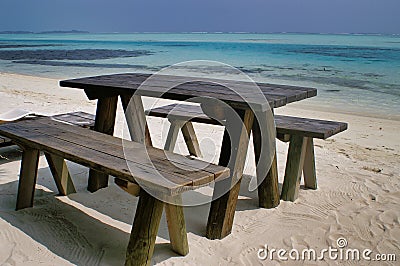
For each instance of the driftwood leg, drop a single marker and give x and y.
(310, 178)
(60, 174)
(294, 167)
(268, 189)
(191, 140)
(105, 121)
(27, 178)
(222, 211)
(144, 230)
(177, 226)
(172, 136)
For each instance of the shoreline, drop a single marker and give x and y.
(357, 197)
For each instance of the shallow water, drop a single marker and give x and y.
(353, 73)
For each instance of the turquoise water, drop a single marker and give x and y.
(353, 73)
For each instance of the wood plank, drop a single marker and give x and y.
(147, 176)
(294, 167)
(306, 127)
(74, 119)
(310, 177)
(226, 192)
(27, 178)
(59, 170)
(144, 230)
(132, 81)
(104, 122)
(157, 167)
(285, 125)
(182, 112)
(123, 83)
(191, 140)
(177, 226)
(156, 154)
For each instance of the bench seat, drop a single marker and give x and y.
(300, 132)
(157, 173)
(81, 119)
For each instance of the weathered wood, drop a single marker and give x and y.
(191, 139)
(135, 118)
(113, 147)
(104, 123)
(310, 177)
(76, 118)
(294, 167)
(105, 153)
(27, 178)
(176, 226)
(285, 125)
(190, 88)
(226, 192)
(172, 135)
(59, 170)
(144, 230)
(127, 186)
(174, 214)
(306, 127)
(268, 189)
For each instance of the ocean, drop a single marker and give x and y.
(353, 73)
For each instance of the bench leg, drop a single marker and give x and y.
(60, 174)
(177, 227)
(268, 189)
(144, 230)
(104, 122)
(27, 178)
(294, 167)
(310, 178)
(191, 140)
(222, 211)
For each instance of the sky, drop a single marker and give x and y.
(309, 16)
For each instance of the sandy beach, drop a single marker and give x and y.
(358, 196)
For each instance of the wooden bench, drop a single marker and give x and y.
(300, 132)
(81, 119)
(154, 173)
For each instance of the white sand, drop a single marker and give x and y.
(358, 197)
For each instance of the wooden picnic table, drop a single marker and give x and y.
(239, 95)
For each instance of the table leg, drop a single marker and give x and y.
(136, 118)
(222, 211)
(268, 189)
(104, 122)
(27, 178)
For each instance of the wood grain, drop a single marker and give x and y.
(27, 177)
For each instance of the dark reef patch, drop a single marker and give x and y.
(78, 54)
(7, 46)
(82, 64)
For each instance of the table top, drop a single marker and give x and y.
(238, 94)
